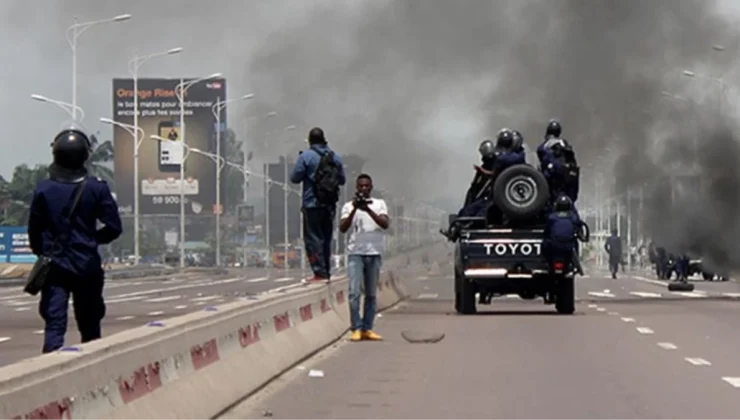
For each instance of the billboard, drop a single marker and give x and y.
(159, 162)
(14, 245)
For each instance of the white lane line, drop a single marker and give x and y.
(696, 294)
(667, 346)
(625, 319)
(4, 339)
(428, 296)
(38, 332)
(602, 294)
(422, 278)
(284, 279)
(181, 306)
(126, 299)
(732, 380)
(205, 299)
(22, 309)
(178, 288)
(156, 313)
(258, 280)
(732, 295)
(601, 309)
(697, 361)
(163, 299)
(19, 303)
(124, 318)
(613, 313)
(644, 330)
(593, 306)
(13, 297)
(646, 294)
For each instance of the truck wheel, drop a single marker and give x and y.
(565, 297)
(466, 292)
(521, 192)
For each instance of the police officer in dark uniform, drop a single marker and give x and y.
(613, 247)
(682, 267)
(561, 233)
(558, 163)
(76, 268)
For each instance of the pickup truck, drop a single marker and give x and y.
(496, 259)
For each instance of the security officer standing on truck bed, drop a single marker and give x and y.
(76, 267)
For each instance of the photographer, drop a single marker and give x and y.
(366, 219)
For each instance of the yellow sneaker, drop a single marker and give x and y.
(356, 336)
(372, 336)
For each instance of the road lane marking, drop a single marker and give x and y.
(124, 318)
(697, 361)
(613, 313)
(163, 299)
(181, 306)
(601, 294)
(38, 332)
(644, 330)
(22, 309)
(283, 279)
(667, 346)
(178, 288)
(601, 309)
(732, 380)
(628, 319)
(732, 295)
(428, 296)
(646, 294)
(651, 281)
(257, 280)
(4, 339)
(156, 313)
(128, 299)
(696, 294)
(593, 306)
(422, 278)
(205, 299)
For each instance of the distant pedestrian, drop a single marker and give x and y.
(366, 219)
(321, 172)
(613, 247)
(62, 227)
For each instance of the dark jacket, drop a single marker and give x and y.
(613, 246)
(79, 254)
(561, 229)
(305, 168)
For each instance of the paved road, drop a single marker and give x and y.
(632, 350)
(132, 303)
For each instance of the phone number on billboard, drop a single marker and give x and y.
(166, 199)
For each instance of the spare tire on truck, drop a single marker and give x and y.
(521, 192)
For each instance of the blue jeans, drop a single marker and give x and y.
(363, 272)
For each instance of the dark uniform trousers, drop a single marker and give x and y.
(87, 301)
(318, 229)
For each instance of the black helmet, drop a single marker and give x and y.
(504, 139)
(553, 129)
(71, 148)
(518, 140)
(486, 149)
(563, 203)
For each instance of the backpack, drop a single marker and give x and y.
(326, 179)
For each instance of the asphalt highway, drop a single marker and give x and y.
(134, 302)
(632, 350)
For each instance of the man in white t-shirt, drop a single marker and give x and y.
(366, 220)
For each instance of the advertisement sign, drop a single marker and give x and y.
(14, 245)
(159, 161)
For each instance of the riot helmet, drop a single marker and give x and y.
(554, 129)
(71, 148)
(504, 139)
(487, 149)
(563, 203)
(518, 140)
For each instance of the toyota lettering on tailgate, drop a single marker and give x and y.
(525, 249)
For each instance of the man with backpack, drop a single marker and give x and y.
(321, 172)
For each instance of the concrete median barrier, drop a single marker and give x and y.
(192, 366)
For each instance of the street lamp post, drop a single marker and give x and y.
(133, 66)
(65, 106)
(286, 189)
(180, 91)
(220, 163)
(185, 153)
(216, 110)
(73, 32)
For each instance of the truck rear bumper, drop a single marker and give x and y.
(499, 273)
